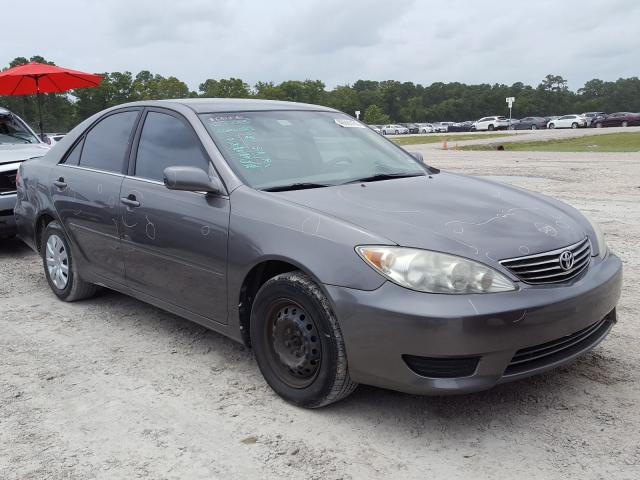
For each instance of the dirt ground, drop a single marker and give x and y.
(113, 388)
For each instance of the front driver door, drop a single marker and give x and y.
(174, 242)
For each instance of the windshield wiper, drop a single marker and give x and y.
(294, 186)
(384, 176)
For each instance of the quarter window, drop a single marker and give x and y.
(106, 144)
(73, 158)
(167, 141)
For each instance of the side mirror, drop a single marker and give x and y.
(418, 156)
(191, 179)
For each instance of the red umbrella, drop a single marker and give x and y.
(41, 78)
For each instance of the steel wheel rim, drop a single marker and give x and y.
(295, 352)
(57, 260)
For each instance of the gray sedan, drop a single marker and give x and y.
(336, 255)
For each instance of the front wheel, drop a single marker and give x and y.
(534, 127)
(59, 267)
(625, 124)
(552, 125)
(298, 343)
(599, 125)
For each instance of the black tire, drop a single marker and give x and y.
(491, 128)
(624, 124)
(599, 125)
(534, 127)
(291, 308)
(397, 132)
(76, 288)
(574, 125)
(552, 125)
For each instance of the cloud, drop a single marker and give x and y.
(336, 41)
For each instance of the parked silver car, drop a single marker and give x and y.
(17, 144)
(394, 129)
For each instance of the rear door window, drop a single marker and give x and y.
(107, 143)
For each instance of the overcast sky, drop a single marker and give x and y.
(336, 41)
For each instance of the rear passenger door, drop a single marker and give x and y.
(85, 188)
(175, 242)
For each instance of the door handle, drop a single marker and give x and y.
(60, 183)
(130, 201)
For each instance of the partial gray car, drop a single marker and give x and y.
(17, 144)
(336, 255)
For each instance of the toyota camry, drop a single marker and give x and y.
(339, 257)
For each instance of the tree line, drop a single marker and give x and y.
(379, 101)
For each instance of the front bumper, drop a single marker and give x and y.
(7, 219)
(381, 326)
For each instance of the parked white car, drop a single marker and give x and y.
(425, 128)
(394, 129)
(53, 138)
(491, 124)
(568, 121)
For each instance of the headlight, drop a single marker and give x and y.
(434, 272)
(601, 243)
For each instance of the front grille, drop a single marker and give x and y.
(8, 182)
(546, 267)
(532, 358)
(442, 367)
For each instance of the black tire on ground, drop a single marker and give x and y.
(624, 124)
(574, 125)
(534, 127)
(298, 343)
(396, 132)
(75, 288)
(552, 125)
(599, 125)
(491, 128)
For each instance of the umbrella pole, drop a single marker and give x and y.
(39, 98)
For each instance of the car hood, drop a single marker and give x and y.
(467, 216)
(10, 153)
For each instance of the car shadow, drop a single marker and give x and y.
(13, 247)
(534, 395)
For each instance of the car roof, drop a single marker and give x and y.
(215, 105)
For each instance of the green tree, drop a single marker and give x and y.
(374, 115)
(224, 88)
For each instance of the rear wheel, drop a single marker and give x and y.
(574, 125)
(534, 127)
(396, 132)
(298, 343)
(599, 125)
(625, 124)
(59, 267)
(491, 128)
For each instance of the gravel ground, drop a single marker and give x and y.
(113, 388)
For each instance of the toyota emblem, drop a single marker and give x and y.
(566, 260)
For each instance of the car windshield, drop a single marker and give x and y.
(12, 130)
(305, 149)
